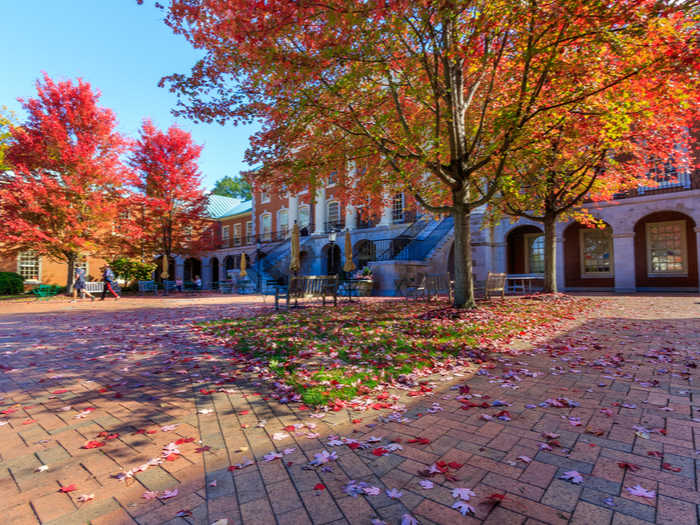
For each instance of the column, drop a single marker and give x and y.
(179, 270)
(350, 217)
(386, 216)
(623, 259)
(697, 248)
(559, 251)
(206, 273)
(320, 211)
(293, 210)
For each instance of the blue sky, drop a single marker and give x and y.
(123, 50)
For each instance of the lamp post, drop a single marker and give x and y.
(331, 252)
(258, 254)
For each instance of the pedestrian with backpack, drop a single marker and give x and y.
(108, 279)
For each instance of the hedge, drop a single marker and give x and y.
(11, 283)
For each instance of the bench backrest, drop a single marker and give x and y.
(313, 285)
(495, 282)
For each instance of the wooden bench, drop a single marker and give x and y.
(44, 291)
(324, 286)
(495, 283)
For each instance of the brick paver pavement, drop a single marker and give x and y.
(153, 423)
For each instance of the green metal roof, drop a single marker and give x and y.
(220, 207)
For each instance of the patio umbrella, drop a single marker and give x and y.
(349, 265)
(164, 274)
(244, 259)
(294, 263)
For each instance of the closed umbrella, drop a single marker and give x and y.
(244, 258)
(294, 262)
(164, 274)
(349, 265)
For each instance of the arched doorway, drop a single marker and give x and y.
(525, 250)
(588, 257)
(451, 262)
(365, 252)
(159, 269)
(193, 267)
(665, 251)
(214, 267)
(331, 259)
(229, 264)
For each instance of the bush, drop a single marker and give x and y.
(132, 269)
(11, 283)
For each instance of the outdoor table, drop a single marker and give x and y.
(525, 281)
(350, 286)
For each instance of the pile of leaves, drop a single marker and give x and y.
(323, 355)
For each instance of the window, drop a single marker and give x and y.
(334, 214)
(226, 232)
(534, 253)
(596, 252)
(304, 212)
(237, 234)
(249, 232)
(333, 178)
(666, 248)
(366, 251)
(266, 226)
(82, 264)
(28, 265)
(264, 197)
(397, 208)
(283, 222)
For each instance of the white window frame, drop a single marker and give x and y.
(264, 197)
(526, 238)
(283, 230)
(226, 232)
(38, 266)
(395, 218)
(308, 215)
(328, 212)
(248, 232)
(266, 235)
(684, 250)
(332, 179)
(237, 234)
(592, 275)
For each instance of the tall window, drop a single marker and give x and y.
(28, 265)
(237, 234)
(333, 178)
(283, 222)
(666, 248)
(82, 264)
(226, 233)
(304, 212)
(249, 232)
(596, 252)
(534, 250)
(264, 197)
(334, 214)
(397, 208)
(266, 226)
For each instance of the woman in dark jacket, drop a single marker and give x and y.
(79, 285)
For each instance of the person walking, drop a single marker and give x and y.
(108, 279)
(79, 286)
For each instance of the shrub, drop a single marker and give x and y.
(11, 283)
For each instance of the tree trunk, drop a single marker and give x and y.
(550, 255)
(464, 287)
(71, 271)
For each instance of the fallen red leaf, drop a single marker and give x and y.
(69, 488)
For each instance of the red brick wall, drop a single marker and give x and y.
(273, 206)
(572, 262)
(242, 220)
(52, 272)
(640, 252)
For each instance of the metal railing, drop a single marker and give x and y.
(336, 225)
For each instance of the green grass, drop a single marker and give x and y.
(328, 354)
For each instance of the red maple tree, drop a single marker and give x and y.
(426, 97)
(168, 209)
(62, 192)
